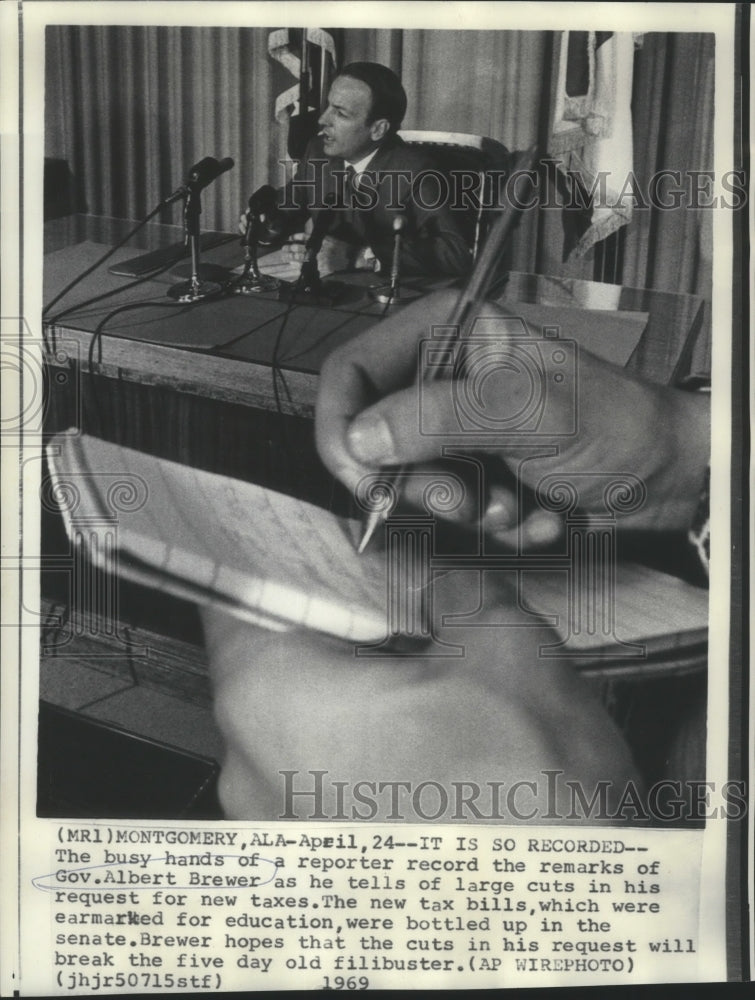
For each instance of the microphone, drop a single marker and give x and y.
(263, 210)
(399, 224)
(199, 176)
(206, 171)
(309, 278)
(264, 200)
(260, 231)
(309, 283)
(391, 294)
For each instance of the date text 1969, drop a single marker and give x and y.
(345, 983)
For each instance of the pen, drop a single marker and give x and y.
(470, 299)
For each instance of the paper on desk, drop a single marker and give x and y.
(657, 610)
(610, 334)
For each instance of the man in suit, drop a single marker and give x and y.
(364, 176)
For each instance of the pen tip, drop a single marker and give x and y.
(369, 531)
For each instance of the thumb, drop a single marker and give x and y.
(407, 426)
(493, 405)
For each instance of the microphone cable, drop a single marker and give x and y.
(97, 340)
(101, 261)
(201, 175)
(99, 332)
(123, 288)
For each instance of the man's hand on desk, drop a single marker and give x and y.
(335, 255)
(269, 228)
(597, 419)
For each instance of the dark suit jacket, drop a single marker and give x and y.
(398, 179)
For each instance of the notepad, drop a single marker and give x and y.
(263, 555)
(281, 562)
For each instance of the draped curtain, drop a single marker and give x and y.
(673, 129)
(130, 108)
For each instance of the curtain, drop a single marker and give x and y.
(484, 82)
(672, 104)
(131, 108)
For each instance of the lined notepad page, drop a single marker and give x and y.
(648, 606)
(255, 548)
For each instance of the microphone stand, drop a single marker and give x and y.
(391, 294)
(309, 279)
(194, 289)
(252, 282)
(309, 286)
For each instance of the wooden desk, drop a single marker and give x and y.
(219, 348)
(223, 348)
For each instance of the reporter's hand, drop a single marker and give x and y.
(303, 702)
(368, 417)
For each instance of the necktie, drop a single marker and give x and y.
(347, 215)
(348, 189)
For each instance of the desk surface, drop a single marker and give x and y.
(225, 348)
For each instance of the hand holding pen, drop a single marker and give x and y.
(368, 421)
(466, 306)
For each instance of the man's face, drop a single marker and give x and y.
(345, 120)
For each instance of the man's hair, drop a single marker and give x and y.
(388, 96)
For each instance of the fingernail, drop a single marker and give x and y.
(498, 513)
(501, 511)
(544, 528)
(370, 439)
